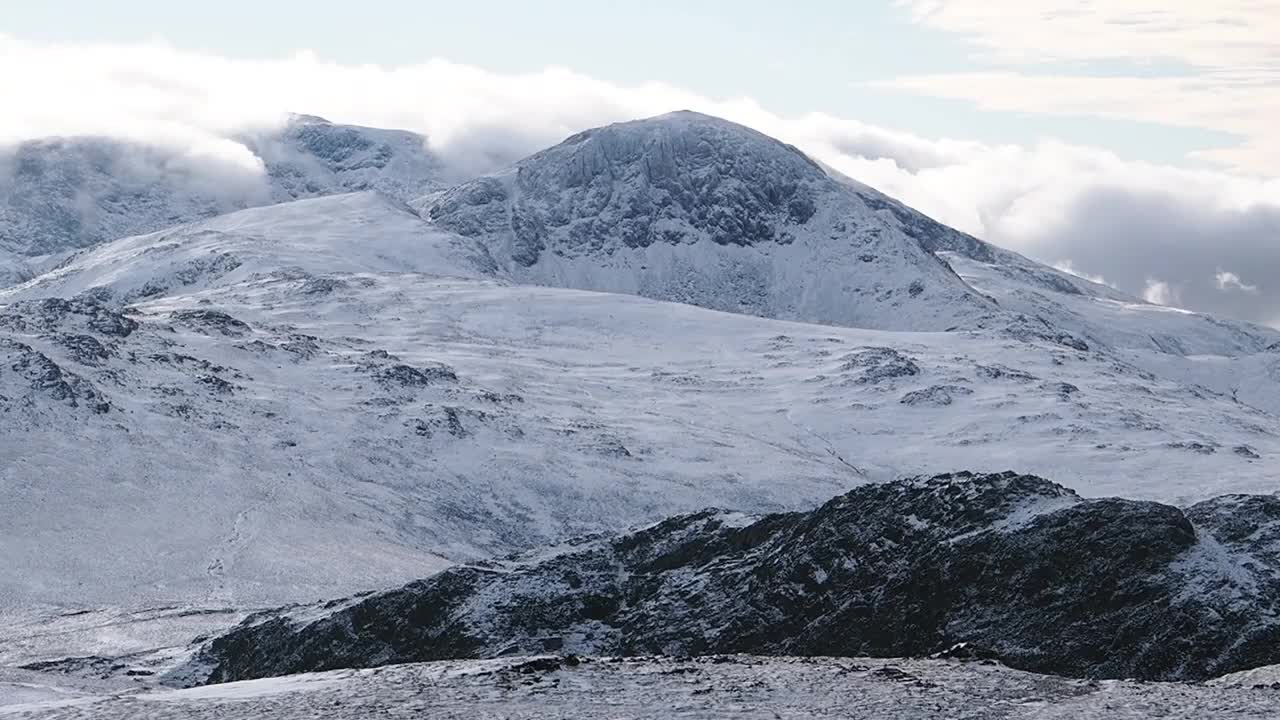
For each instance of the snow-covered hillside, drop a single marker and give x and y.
(241, 441)
(356, 232)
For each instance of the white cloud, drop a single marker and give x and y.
(1212, 65)
(1122, 221)
(1159, 292)
(1229, 281)
(1247, 107)
(1069, 268)
(1206, 34)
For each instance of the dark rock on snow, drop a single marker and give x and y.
(1018, 568)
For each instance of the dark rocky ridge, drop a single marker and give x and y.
(1019, 568)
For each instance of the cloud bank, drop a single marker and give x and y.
(1208, 240)
(1188, 63)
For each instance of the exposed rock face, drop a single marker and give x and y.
(212, 321)
(1019, 568)
(694, 209)
(38, 375)
(55, 313)
(935, 395)
(610, 186)
(83, 328)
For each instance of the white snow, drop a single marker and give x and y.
(1236, 359)
(705, 688)
(356, 232)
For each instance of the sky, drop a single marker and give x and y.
(1126, 140)
(831, 56)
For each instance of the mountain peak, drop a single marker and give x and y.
(697, 138)
(305, 119)
(697, 209)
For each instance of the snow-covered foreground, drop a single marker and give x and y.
(705, 688)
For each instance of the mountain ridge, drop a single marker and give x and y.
(1003, 566)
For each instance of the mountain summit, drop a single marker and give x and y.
(695, 209)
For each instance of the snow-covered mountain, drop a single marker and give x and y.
(351, 233)
(63, 194)
(259, 379)
(694, 209)
(222, 414)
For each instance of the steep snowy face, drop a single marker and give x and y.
(68, 193)
(694, 209)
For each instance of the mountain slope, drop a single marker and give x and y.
(357, 232)
(1098, 314)
(1237, 359)
(238, 443)
(694, 209)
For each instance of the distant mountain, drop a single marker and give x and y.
(690, 208)
(311, 157)
(64, 194)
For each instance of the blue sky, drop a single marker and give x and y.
(815, 55)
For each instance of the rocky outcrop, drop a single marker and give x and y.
(1019, 568)
(37, 375)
